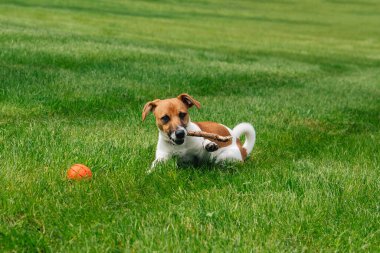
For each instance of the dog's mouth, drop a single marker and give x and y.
(178, 137)
(176, 141)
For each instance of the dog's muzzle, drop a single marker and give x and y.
(178, 136)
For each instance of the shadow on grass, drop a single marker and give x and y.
(228, 167)
(312, 139)
(359, 120)
(330, 64)
(172, 14)
(58, 93)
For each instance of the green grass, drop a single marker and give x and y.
(74, 76)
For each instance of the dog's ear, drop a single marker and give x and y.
(188, 100)
(149, 107)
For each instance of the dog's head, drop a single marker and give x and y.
(172, 115)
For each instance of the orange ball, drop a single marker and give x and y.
(78, 172)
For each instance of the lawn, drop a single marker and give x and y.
(75, 75)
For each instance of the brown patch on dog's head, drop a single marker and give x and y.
(171, 113)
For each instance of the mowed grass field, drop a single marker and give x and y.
(75, 75)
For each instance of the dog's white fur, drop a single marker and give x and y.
(194, 148)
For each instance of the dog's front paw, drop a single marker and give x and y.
(211, 147)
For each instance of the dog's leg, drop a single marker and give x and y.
(210, 146)
(160, 157)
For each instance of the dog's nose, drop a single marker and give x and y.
(180, 134)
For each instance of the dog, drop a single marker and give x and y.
(173, 122)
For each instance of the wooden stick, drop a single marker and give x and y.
(209, 135)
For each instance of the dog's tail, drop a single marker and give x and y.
(250, 135)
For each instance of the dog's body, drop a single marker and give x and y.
(173, 123)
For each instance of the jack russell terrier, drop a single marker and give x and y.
(173, 122)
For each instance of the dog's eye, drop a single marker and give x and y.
(182, 115)
(165, 119)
